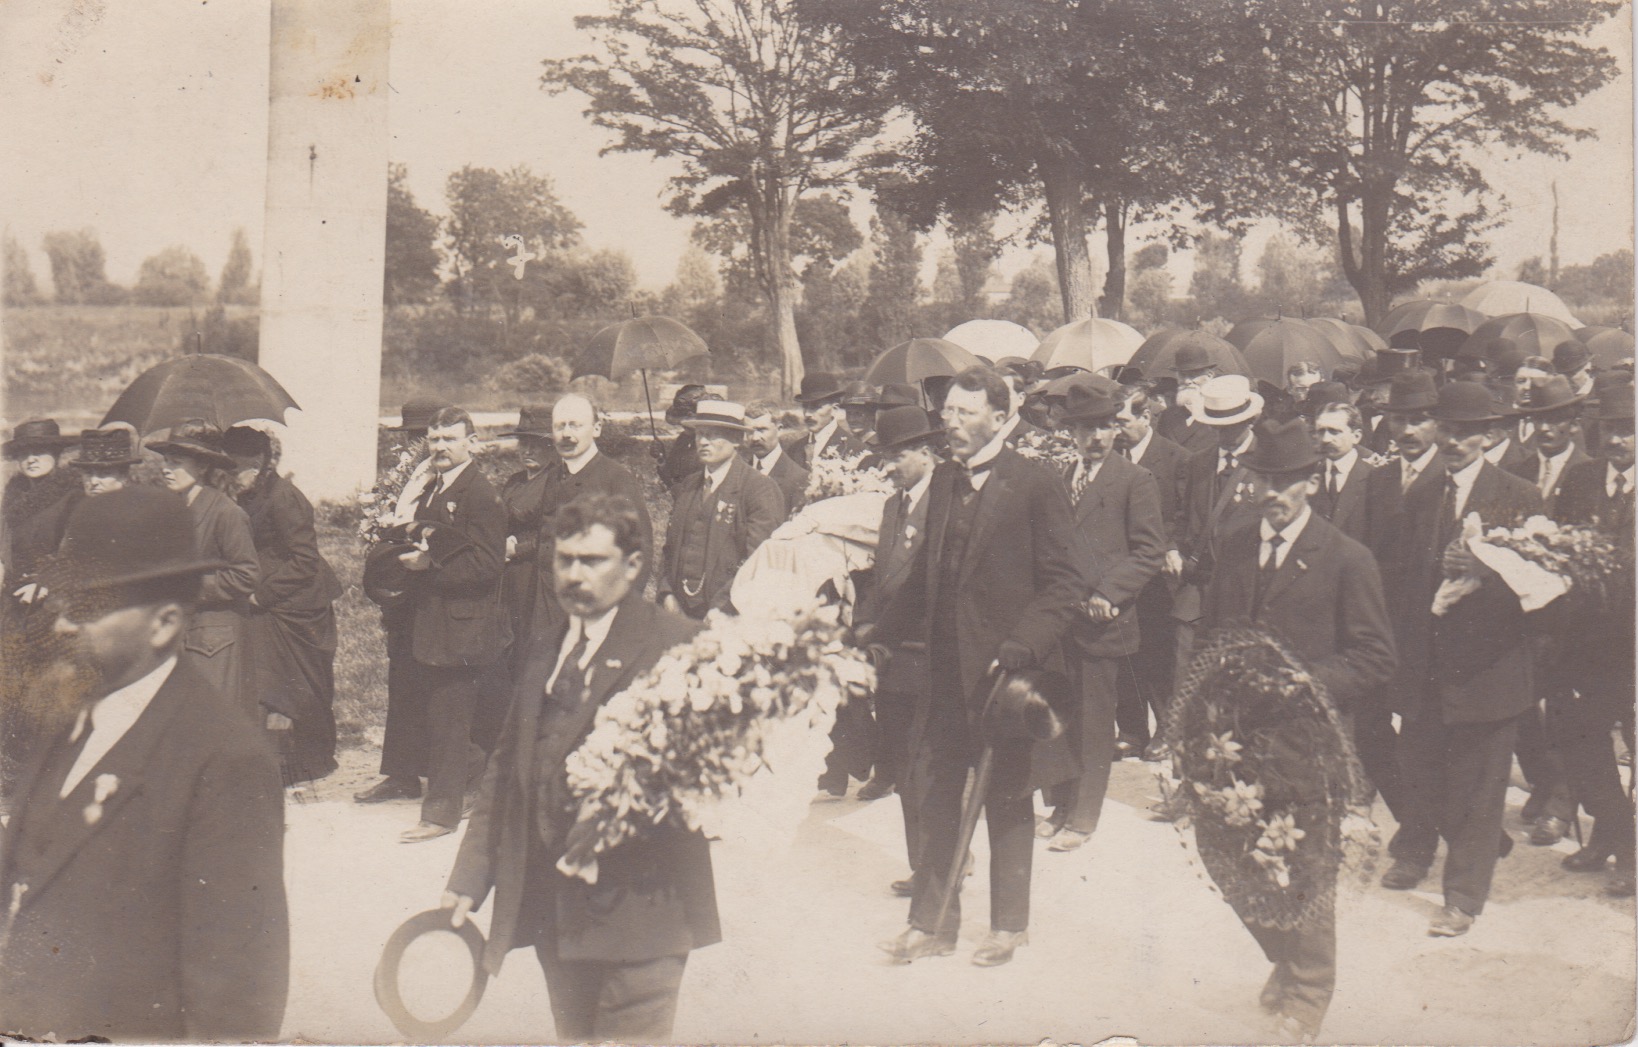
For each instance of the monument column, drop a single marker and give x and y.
(323, 256)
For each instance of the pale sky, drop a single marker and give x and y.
(147, 121)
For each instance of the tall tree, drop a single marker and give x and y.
(895, 280)
(972, 235)
(78, 265)
(174, 276)
(486, 209)
(1388, 104)
(233, 286)
(758, 105)
(412, 257)
(20, 288)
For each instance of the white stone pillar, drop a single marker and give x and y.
(322, 259)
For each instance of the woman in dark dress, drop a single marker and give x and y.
(290, 627)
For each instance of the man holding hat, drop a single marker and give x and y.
(142, 873)
(720, 513)
(890, 618)
(1120, 543)
(820, 397)
(1465, 676)
(1298, 576)
(1598, 662)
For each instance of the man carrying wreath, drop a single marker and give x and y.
(613, 952)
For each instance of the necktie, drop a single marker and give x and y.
(1273, 562)
(1265, 573)
(435, 484)
(1083, 480)
(1332, 482)
(1228, 464)
(1447, 517)
(968, 474)
(1547, 477)
(1408, 479)
(1620, 485)
(570, 685)
(763, 466)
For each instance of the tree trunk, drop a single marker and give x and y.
(771, 235)
(1113, 303)
(1366, 264)
(1066, 209)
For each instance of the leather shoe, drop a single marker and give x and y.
(1155, 751)
(425, 831)
(874, 789)
(1126, 748)
(904, 888)
(1588, 859)
(1047, 828)
(1402, 875)
(915, 943)
(1068, 839)
(1548, 831)
(998, 946)
(1450, 922)
(1621, 884)
(392, 788)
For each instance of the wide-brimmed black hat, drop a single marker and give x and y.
(1282, 447)
(1612, 397)
(1089, 398)
(1467, 402)
(898, 394)
(100, 448)
(820, 387)
(134, 534)
(198, 439)
(243, 440)
(34, 436)
(858, 394)
(1553, 393)
(533, 420)
(902, 426)
(1412, 391)
(416, 414)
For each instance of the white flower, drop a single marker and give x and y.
(104, 787)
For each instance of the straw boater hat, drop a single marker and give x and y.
(198, 439)
(718, 414)
(135, 534)
(100, 448)
(1227, 400)
(34, 436)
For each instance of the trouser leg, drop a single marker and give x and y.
(573, 988)
(1097, 743)
(1542, 764)
(1306, 959)
(637, 1001)
(404, 743)
(1479, 759)
(1582, 721)
(1422, 744)
(940, 822)
(1376, 742)
(1011, 825)
(451, 695)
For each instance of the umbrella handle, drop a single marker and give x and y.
(969, 811)
(650, 404)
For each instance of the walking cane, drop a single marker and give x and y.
(970, 808)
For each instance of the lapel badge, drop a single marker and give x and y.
(103, 788)
(614, 663)
(449, 507)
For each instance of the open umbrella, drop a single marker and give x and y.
(1273, 347)
(640, 344)
(1537, 335)
(1156, 356)
(222, 390)
(1609, 346)
(993, 338)
(1436, 328)
(917, 359)
(1354, 342)
(1504, 297)
(1090, 345)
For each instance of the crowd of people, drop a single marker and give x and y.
(1080, 537)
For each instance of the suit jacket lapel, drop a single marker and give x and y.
(530, 698)
(1305, 549)
(940, 494)
(991, 501)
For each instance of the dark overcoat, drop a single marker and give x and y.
(1120, 542)
(1353, 512)
(602, 475)
(654, 894)
(1528, 467)
(216, 636)
(164, 918)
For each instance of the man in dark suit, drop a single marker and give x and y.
(1469, 675)
(613, 952)
(720, 513)
(1598, 657)
(1119, 543)
(1555, 409)
(143, 868)
(906, 439)
(459, 629)
(1317, 589)
(1144, 681)
(1345, 475)
(765, 453)
(821, 399)
(1001, 584)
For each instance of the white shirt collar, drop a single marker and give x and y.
(574, 465)
(1558, 459)
(110, 718)
(1345, 465)
(1139, 449)
(1011, 424)
(766, 463)
(1290, 533)
(1495, 454)
(1239, 449)
(985, 455)
(823, 436)
(1611, 472)
(449, 476)
(715, 476)
(1417, 464)
(1463, 479)
(596, 630)
(917, 490)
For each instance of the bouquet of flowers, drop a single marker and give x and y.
(1052, 446)
(1268, 777)
(380, 503)
(1542, 561)
(706, 721)
(831, 476)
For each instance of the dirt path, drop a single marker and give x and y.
(1127, 939)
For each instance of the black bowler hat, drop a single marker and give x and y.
(135, 534)
(1612, 397)
(34, 436)
(1466, 402)
(198, 439)
(533, 420)
(902, 426)
(1024, 704)
(1413, 391)
(1089, 398)
(416, 414)
(1570, 356)
(1282, 447)
(1190, 357)
(820, 387)
(99, 448)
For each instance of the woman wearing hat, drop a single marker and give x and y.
(525, 496)
(290, 620)
(194, 464)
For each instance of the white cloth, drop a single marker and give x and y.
(110, 718)
(1288, 537)
(596, 631)
(825, 541)
(1463, 479)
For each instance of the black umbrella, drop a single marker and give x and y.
(222, 390)
(919, 358)
(1156, 357)
(1436, 328)
(640, 344)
